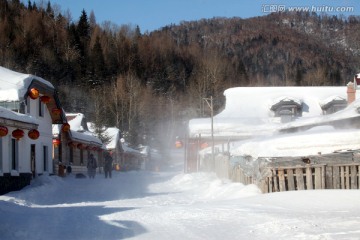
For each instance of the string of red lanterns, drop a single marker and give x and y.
(18, 133)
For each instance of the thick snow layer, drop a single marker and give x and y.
(13, 85)
(172, 205)
(8, 114)
(247, 110)
(319, 140)
(255, 102)
(114, 134)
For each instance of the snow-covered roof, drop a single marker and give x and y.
(77, 131)
(14, 85)
(330, 99)
(351, 111)
(85, 136)
(114, 134)
(254, 102)
(8, 114)
(128, 149)
(76, 121)
(248, 112)
(323, 140)
(285, 99)
(320, 137)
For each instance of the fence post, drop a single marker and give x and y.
(309, 181)
(290, 179)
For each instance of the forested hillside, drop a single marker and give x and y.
(146, 84)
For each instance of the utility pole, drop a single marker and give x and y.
(209, 102)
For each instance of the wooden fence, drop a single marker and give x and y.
(331, 171)
(320, 176)
(237, 174)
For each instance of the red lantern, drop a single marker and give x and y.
(34, 134)
(80, 146)
(72, 144)
(56, 142)
(88, 148)
(33, 93)
(56, 111)
(94, 148)
(65, 127)
(45, 99)
(3, 131)
(18, 134)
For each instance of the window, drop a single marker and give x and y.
(81, 157)
(71, 155)
(14, 158)
(28, 106)
(287, 108)
(45, 157)
(335, 105)
(41, 108)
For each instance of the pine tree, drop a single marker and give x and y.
(83, 32)
(83, 27)
(98, 68)
(49, 10)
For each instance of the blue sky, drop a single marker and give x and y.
(154, 14)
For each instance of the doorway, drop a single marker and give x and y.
(33, 160)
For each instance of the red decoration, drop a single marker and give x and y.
(65, 127)
(3, 131)
(45, 99)
(56, 111)
(18, 134)
(56, 142)
(72, 144)
(80, 146)
(33, 93)
(88, 148)
(34, 134)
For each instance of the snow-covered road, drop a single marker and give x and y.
(172, 205)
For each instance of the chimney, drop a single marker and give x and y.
(351, 92)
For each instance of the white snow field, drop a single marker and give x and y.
(172, 205)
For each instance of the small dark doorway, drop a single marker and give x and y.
(33, 160)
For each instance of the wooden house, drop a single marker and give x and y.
(26, 145)
(263, 111)
(317, 147)
(114, 146)
(125, 158)
(73, 143)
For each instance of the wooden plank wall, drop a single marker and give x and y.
(338, 176)
(322, 172)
